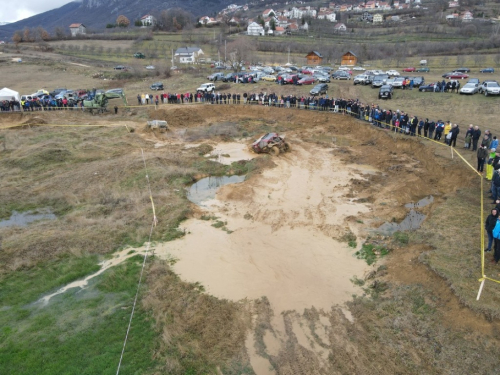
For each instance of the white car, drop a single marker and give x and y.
(359, 68)
(378, 72)
(206, 87)
(469, 88)
(346, 68)
(150, 67)
(392, 72)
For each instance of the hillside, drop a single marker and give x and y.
(95, 14)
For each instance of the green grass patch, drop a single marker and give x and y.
(401, 238)
(27, 285)
(370, 253)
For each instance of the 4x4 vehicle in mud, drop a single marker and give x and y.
(270, 143)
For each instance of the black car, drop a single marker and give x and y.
(120, 67)
(229, 77)
(379, 80)
(427, 88)
(319, 89)
(463, 70)
(386, 92)
(156, 86)
(341, 74)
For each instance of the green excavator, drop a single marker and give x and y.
(98, 102)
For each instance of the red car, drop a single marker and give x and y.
(306, 71)
(457, 75)
(408, 69)
(289, 79)
(306, 81)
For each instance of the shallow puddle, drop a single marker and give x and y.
(421, 203)
(22, 219)
(205, 189)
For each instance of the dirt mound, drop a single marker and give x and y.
(178, 116)
(35, 121)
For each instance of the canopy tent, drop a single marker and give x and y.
(8, 94)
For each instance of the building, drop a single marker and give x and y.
(188, 55)
(349, 59)
(255, 29)
(77, 29)
(279, 30)
(267, 13)
(467, 16)
(378, 18)
(340, 28)
(148, 20)
(314, 58)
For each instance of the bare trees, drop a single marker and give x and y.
(238, 51)
(173, 20)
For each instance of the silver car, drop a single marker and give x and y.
(469, 88)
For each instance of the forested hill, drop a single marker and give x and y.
(95, 14)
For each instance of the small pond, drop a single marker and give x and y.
(206, 188)
(412, 221)
(22, 219)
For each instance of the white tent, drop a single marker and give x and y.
(8, 94)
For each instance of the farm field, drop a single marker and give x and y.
(284, 272)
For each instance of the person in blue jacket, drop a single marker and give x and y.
(496, 237)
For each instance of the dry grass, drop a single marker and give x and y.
(197, 332)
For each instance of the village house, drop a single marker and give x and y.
(282, 21)
(188, 55)
(349, 59)
(331, 5)
(366, 16)
(267, 13)
(77, 29)
(327, 15)
(340, 28)
(314, 58)
(370, 5)
(208, 21)
(452, 16)
(295, 13)
(255, 29)
(467, 16)
(148, 20)
(378, 18)
(279, 30)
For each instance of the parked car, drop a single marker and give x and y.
(341, 74)
(469, 88)
(457, 75)
(427, 88)
(362, 79)
(490, 88)
(57, 91)
(423, 69)
(156, 86)
(418, 81)
(216, 76)
(306, 81)
(206, 87)
(229, 77)
(120, 67)
(410, 69)
(392, 73)
(398, 82)
(386, 92)
(473, 80)
(319, 89)
(345, 68)
(463, 70)
(269, 77)
(379, 80)
(323, 78)
(139, 55)
(487, 70)
(359, 68)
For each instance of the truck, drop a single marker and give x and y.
(206, 87)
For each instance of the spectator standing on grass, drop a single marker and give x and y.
(454, 134)
(447, 129)
(432, 129)
(494, 143)
(486, 141)
(439, 130)
(468, 140)
(489, 226)
(482, 154)
(489, 165)
(496, 238)
(138, 99)
(476, 134)
(443, 85)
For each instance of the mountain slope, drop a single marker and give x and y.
(95, 14)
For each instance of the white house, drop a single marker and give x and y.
(188, 55)
(77, 29)
(267, 13)
(327, 15)
(148, 20)
(255, 29)
(467, 16)
(340, 27)
(378, 18)
(304, 27)
(296, 13)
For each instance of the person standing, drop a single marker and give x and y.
(482, 154)
(454, 134)
(496, 238)
(476, 134)
(489, 226)
(489, 165)
(447, 129)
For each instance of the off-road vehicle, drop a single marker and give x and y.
(270, 143)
